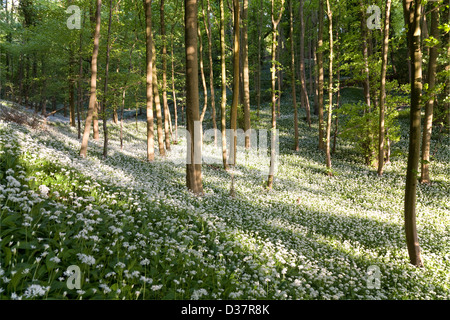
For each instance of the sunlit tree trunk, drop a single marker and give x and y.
(381, 129)
(149, 80)
(426, 137)
(235, 100)
(93, 94)
(275, 22)
(202, 73)
(156, 99)
(207, 23)
(193, 169)
(412, 12)
(105, 89)
(224, 85)
(174, 96)
(246, 76)
(319, 52)
(302, 65)
(164, 78)
(294, 94)
(330, 88)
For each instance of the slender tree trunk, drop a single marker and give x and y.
(93, 94)
(381, 129)
(71, 88)
(365, 51)
(105, 88)
(193, 166)
(246, 76)
(258, 79)
(224, 85)
(156, 99)
(174, 96)
(319, 52)
(275, 23)
(235, 101)
(302, 66)
(278, 72)
(202, 73)
(426, 137)
(164, 77)
(294, 94)
(149, 80)
(412, 11)
(80, 83)
(330, 88)
(207, 23)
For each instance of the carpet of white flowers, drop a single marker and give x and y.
(135, 232)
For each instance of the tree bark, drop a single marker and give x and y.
(156, 99)
(223, 105)
(330, 88)
(193, 168)
(294, 94)
(105, 88)
(319, 52)
(235, 100)
(164, 77)
(93, 93)
(202, 73)
(149, 80)
(275, 22)
(302, 66)
(207, 23)
(412, 12)
(381, 129)
(428, 124)
(246, 76)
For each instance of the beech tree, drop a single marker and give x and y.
(149, 80)
(428, 123)
(275, 22)
(412, 11)
(193, 167)
(93, 90)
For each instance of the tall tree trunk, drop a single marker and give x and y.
(302, 66)
(93, 94)
(174, 96)
(149, 80)
(235, 100)
(193, 166)
(365, 52)
(330, 88)
(278, 72)
(202, 73)
(258, 78)
(164, 77)
(294, 94)
(319, 52)
(156, 99)
(246, 76)
(426, 137)
(105, 88)
(412, 12)
(207, 23)
(71, 87)
(275, 22)
(223, 105)
(381, 129)
(80, 83)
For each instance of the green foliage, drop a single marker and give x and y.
(360, 124)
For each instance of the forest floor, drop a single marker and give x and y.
(135, 232)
